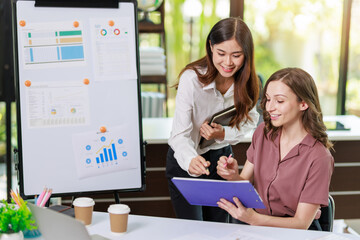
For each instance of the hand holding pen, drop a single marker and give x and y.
(199, 166)
(226, 160)
(228, 168)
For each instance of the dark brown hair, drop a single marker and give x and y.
(303, 85)
(246, 83)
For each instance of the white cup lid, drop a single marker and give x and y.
(118, 209)
(83, 202)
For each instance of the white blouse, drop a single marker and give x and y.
(195, 104)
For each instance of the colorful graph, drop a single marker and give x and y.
(103, 152)
(106, 154)
(116, 31)
(103, 32)
(48, 46)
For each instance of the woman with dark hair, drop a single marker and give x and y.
(288, 161)
(224, 77)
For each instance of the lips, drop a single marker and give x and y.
(274, 116)
(225, 69)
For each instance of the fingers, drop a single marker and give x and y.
(228, 206)
(237, 211)
(199, 166)
(210, 132)
(227, 168)
(237, 202)
(228, 174)
(230, 160)
(224, 204)
(218, 127)
(204, 135)
(226, 163)
(221, 167)
(197, 170)
(206, 131)
(222, 161)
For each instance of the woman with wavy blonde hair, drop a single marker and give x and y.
(288, 161)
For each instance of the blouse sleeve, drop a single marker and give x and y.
(316, 188)
(180, 140)
(233, 136)
(251, 150)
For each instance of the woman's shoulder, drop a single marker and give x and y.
(316, 152)
(320, 151)
(192, 73)
(188, 73)
(189, 77)
(259, 131)
(320, 157)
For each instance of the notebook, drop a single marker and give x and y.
(58, 226)
(207, 192)
(223, 117)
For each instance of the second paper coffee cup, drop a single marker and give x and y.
(83, 209)
(118, 217)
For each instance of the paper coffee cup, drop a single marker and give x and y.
(83, 209)
(118, 217)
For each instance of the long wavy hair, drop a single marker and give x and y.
(246, 82)
(303, 85)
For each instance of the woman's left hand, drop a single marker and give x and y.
(239, 211)
(215, 131)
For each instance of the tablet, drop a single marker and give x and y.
(223, 117)
(335, 126)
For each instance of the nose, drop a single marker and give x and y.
(228, 60)
(270, 106)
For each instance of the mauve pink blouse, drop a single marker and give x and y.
(302, 176)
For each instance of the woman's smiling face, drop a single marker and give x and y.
(227, 57)
(283, 106)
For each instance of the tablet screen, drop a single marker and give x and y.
(335, 126)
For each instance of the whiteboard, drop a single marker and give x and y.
(79, 122)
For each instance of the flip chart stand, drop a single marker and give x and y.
(117, 199)
(80, 160)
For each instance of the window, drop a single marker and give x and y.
(299, 33)
(186, 34)
(353, 77)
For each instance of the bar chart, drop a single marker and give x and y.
(102, 153)
(107, 154)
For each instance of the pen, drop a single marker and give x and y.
(46, 197)
(39, 200)
(225, 164)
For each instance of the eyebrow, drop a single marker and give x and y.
(277, 95)
(232, 52)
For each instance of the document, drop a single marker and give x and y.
(223, 117)
(207, 192)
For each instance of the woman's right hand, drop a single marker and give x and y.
(199, 166)
(228, 168)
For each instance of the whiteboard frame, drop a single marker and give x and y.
(19, 161)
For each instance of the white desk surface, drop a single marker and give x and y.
(143, 227)
(157, 130)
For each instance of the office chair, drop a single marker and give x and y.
(326, 220)
(258, 108)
